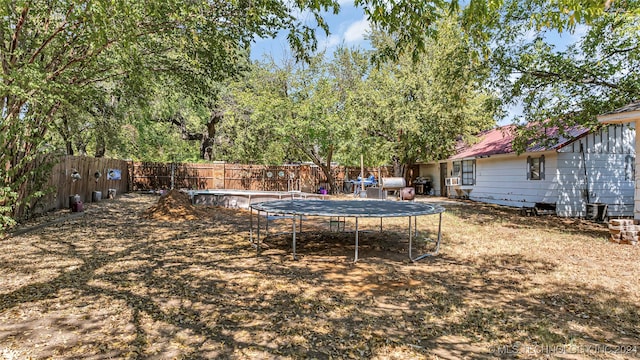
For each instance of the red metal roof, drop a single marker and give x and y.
(500, 141)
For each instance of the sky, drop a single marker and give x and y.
(350, 27)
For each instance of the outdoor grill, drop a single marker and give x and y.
(392, 184)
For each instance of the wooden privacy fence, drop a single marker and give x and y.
(269, 178)
(83, 176)
(87, 176)
(295, 177)
(156, 176)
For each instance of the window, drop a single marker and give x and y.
(456, 169)
(468, 173)
(465, 170)
(535, 168)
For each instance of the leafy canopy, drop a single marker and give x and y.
(414, 111)
(563, 86)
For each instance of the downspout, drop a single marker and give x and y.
(586, 177)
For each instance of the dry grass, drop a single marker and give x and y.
(118, 283)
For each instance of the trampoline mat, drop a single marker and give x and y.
(348, 208)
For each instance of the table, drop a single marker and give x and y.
(296, 209)
(359, 183)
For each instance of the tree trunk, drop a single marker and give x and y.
(206, 148)
(398, 167)
(332, 186)
(331, 179)
(69, 147)
(403, 169)
(208, 138)
(101, 147)
(408, 174)
(65, 135)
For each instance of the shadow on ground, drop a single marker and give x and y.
(114, 284)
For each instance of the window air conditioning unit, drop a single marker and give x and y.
(452, 181)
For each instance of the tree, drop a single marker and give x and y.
(57, 55)
(417, 110)
(411, 22)
(557, 87)
(325, 123)
(53, 53)
(296, 111)
(254, 107)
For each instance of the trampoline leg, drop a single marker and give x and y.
(294, 238)
(255, 243)
(251, 226)
(380, 224)
(258, 237)
(435, 252)
(355, 258)
(439, 235)
(410, 239)
(258, 232)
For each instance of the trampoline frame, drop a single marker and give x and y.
(296, 209)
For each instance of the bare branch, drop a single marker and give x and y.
(52, 36)
(16, 34)
(582, 80)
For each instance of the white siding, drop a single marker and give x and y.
(599, 174)
(604, 181)
(593, 169)
(503, 180)
(636, 210)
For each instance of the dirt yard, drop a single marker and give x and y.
(137, 277)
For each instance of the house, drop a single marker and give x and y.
(629, 114)
(576, 172)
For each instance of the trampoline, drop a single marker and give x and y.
(348, 208)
